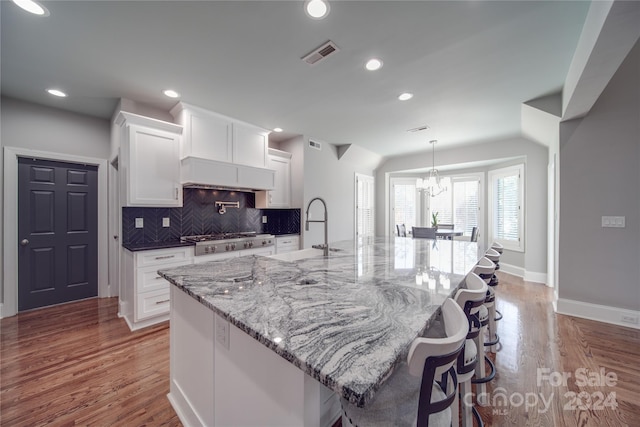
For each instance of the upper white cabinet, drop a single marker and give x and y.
(211, 136)
(149, 161)
(250, 145)
(206, 134)
(280, 196)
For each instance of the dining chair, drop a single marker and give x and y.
(474, 234)
(403, 230)
(422, 389)
(424, 232)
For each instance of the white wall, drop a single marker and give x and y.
(533, 260)
(333, 179)
(600, 175)
(30, 126)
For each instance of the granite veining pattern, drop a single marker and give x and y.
(346, 320)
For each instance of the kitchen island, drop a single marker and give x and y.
(267, 341)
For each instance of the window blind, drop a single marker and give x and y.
(365, 206)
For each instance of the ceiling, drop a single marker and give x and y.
(469, 64)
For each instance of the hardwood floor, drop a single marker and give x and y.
(539, 348)
(78, 364)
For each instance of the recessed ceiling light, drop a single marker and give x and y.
(171, 93)
(405, 96)
(32, 7)
(373, 64)
(277, 129)
(57, 92)
(316, 9)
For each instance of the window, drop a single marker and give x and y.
(506, 206)
(403, 203)
(459, 205)
(364, 206)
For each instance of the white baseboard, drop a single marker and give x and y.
(532, 276)
(599, 313)
(512, 269)
(529, 276)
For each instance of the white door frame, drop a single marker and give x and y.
(10, 275)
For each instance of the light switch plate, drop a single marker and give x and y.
(166, 222)
(264, 219)
(139, 222)
(613, 221)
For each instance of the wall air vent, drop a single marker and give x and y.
(315, 145)
(320, 53)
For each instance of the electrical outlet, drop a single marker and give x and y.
(222, 331)
(264, 219)
(166, 222)
(139, 222)
(629, 318)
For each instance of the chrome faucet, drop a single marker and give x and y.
(325, 247)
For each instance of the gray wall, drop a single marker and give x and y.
(511, 151)
(35, 127)
(600, 175)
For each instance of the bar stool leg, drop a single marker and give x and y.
(455, 410)
(481, 388)
(466, 397)
(492, 326)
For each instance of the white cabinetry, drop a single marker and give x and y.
(250, 145)
(212, 136)
(144, 295)
(286, 244)
(280, 196)
(206, 134)
(149, 161)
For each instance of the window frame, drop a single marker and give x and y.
(493, 176)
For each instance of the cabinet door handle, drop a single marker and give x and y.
(177, 191)
(165, 257)
(162, 302)
(159, 277)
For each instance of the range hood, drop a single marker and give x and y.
(204, 173)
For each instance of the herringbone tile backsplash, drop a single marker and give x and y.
(200, 216)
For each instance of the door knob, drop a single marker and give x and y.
(24, 242)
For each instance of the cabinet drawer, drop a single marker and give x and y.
(287, 244)
(153, 303)
(149, 280)
(163, 257)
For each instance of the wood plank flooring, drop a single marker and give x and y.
(78, 364)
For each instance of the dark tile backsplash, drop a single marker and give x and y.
(200, 216)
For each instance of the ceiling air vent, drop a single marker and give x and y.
(418, 129)
(320, 53)
(315, 145)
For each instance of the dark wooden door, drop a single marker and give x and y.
(57, 232)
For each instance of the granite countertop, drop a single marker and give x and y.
(134, 247)
(346, 320)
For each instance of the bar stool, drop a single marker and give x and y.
(471, 300)
(484, 269)
(412, 396)
(494, 256)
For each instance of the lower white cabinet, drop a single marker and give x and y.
(287, 243)
(144, 295)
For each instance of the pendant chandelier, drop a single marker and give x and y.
(433, 184)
